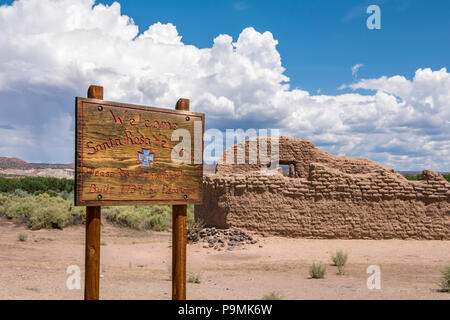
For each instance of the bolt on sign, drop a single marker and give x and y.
(135, 155)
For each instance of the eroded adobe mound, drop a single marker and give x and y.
(325, 196)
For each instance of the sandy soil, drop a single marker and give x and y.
(135, 265)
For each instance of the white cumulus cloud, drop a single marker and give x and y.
(52, 50)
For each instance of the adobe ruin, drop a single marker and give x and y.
(325, 196)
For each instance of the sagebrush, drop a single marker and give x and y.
(445, 280)
(49, 210)
(339, 260)
(22, 236)
(41, 211)
(317, 271)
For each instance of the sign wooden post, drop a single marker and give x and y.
(136, 155)
(179, 213)
(93, 221)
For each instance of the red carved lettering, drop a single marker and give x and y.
(133, 121)
(118, 120)
(129, 136)
(95, 150)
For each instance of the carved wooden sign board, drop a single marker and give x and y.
(125, 154)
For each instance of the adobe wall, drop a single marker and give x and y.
(326, 197)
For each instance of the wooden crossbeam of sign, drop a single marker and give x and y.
(136, 155)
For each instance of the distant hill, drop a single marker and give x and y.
(16, 168)
(16, 163)
(13, 163)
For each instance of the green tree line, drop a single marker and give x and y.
(36, 184)
(416, 177)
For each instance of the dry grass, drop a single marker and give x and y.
(339, 260)
(272, 296)
(22, 236)
(317, 271)
(193, 277)
(445, 280)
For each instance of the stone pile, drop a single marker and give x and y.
(223, 239)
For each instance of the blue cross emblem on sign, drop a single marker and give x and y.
(145, 157)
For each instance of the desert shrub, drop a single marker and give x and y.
(123, 216)
(49, 217)
(445, 280)
(22, 236)
(51, 193)
(193, 277)
(317, 271)
(66, 195)
(18, 207)
(3, 199)
(77, 214)
(339, 260)
(272, 296)
(156, 222)
(157, 217)
(50, 210)
(190, 213)
(43, 211)
(20, 193)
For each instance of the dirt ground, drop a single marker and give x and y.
(135, 265)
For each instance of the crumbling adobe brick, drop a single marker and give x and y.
(325, 197)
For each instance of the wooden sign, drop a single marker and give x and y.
(136, 155)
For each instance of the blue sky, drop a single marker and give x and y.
(245, 64)
(319, 41)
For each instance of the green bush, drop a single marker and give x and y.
(339, 260)
(66, 195)
(20, 193)
(317, 271)
(445, 280)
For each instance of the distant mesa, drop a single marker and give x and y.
(16, 168)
